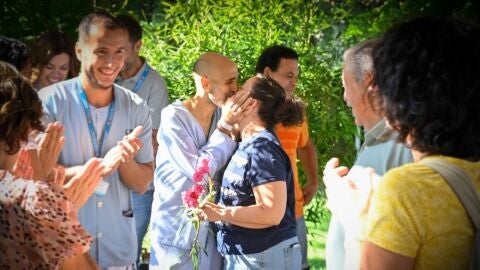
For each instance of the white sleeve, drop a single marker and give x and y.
(177, 142)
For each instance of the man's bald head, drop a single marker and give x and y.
(211, 63)
(216, 77)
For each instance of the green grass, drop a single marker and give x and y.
(317, 234)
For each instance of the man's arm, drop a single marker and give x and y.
(136, 176)
(308, 157)
(154, 142)
(157, 101)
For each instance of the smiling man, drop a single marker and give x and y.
(97, 116)
(379, 151)
(281, 64)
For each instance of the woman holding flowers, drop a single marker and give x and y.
(255, 214)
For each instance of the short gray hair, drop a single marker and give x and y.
(358, 59)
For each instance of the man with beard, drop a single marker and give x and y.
(138, 76)
(190, 131)
(99, 118)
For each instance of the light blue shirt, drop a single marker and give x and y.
(103, 216)
(153, 90)
(381, 152)
(182, 144)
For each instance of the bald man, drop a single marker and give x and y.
(191, 130)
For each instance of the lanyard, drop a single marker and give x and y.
(106, 129)
(142, 78)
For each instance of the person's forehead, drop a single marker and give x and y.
(59, 58)
(286, 63)
(101, 36)
(347, 74)
(226, 71)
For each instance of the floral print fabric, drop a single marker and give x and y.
(38, 225)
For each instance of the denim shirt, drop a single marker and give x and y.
(182, 144)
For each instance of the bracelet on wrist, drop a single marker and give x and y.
(221, 123)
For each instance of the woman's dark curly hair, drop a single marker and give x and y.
(20, 109)
(274, 107)
(427, 73)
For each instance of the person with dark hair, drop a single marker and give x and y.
(139, 77)
(281, 64)
(379, 151)
(16, 53)
(102, 119)
(190, 131)
(52, 58)
(39, 228)
(427, 74)
(256, 211)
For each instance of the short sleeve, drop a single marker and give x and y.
(158, 100)
(395, 218)
(267, 164)
(302, 141)
(144, 119)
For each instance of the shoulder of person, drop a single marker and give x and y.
(410, 176)
(122, 92)
(60, 91)
(175, 110)
(153, 74)
(267, 141)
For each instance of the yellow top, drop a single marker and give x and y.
(415, 213)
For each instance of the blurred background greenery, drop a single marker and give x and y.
(177, 32)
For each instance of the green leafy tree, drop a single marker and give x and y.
(319, 30)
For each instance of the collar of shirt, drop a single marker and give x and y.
(135, 78)
(378, 133)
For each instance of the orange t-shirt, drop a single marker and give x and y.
(292, 138)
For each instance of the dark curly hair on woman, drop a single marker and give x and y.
(274, 107)
(427, 73)
(20, 109)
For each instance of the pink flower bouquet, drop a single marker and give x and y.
(193, 199)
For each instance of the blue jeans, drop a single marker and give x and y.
(142, 208)
(302, 240)
(284, 255)
(168, 257)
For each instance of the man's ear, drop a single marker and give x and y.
(205, 83)
(267, 72)
(137, 46)
(368, 78)
(78, 51)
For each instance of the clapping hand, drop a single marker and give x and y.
(125, 150)
(50, 146)
(349, 192)
(22, 167)
(83, 184)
